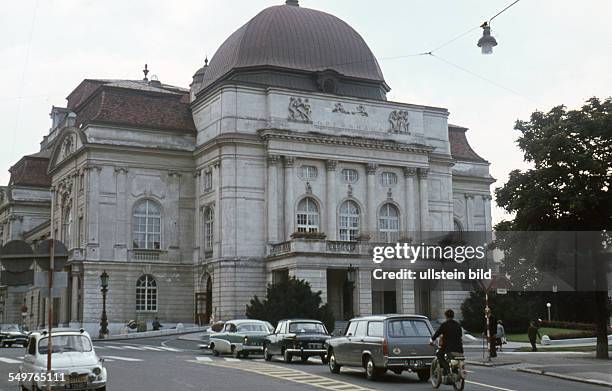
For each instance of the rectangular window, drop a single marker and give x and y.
(408, 328)
(388, 178)
(208, 180)
(80, 232)
(375, 329)
(309, 172)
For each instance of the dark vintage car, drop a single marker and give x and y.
(12, 334)
(384, 342)
(302, 338)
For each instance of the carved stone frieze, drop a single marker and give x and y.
(299, 109)
(399, 121)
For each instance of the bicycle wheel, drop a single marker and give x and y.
(436, 374)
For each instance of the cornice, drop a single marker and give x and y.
(354, 142)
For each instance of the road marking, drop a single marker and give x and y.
(170, 349)
(114, 347)
(202, 358)
(132, 347)
(489, 386)
(283, 373)
(9, 360)
(156, 349)
(123, 358)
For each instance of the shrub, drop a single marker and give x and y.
(288, 299)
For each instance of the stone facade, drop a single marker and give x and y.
(193, 200)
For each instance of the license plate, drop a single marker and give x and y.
(414, 363)
(77, 379)
(76, 386)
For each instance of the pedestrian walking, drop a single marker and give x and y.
(156, 324)
(532, 333)
(500, 335)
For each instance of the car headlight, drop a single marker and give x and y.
(97, 371)
(246, 339)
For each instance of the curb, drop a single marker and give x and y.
(491, 364)
(565, 377)
(148, 334)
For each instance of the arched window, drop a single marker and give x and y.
(146, 293)
(209, 218)
(147, 225)
(66, 226)
(388, 223)
(349, 221)
(307, 216)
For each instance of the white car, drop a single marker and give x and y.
(74, 364)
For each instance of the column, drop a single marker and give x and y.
(121, 208)
(330, 199)
(364, 287)
(272, 198)
(486, 200)
(424, 198)
(197, 223)
(469, 212)
(371, 200)
(74, 297)
(289, 162)
(217, 210)
(411, 212)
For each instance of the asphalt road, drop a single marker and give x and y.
(169, 364)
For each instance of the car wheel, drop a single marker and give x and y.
(287, 356)
(267, 355)
(423, 374)
(373, 373)
(236, 353)
(334, 367)
(9, 345)
(215, 352)
(4, 344)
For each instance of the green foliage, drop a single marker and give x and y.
(288, 299)
(512, 309)
(567, 189)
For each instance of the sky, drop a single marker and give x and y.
(550, 52)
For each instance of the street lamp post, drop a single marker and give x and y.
(548, 305)
(104, 319)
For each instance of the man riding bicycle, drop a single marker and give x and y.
(451, 334)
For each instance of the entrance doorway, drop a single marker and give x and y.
(422, 296)
(384, 297)
(341, 292)
(203, 302)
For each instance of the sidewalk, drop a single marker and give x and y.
(574, 366)
(151, 334)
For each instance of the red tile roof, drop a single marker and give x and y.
(31, 170)
(460, 148)
(133, 103)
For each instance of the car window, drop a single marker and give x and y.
(32, 346)
(252, 327)
(230, 327)
(278, 328)
(361, 329)
(307, 327)
(375, 329)
(10, 327)
(350, 330)
(65, 343)
(408, 328)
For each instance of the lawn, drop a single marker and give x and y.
(562, 349)
(543, 331)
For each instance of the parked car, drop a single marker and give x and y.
(240, 337)
(75, 365)
(384, 342)
(12, 334)
(297, 337)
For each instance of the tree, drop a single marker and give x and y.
(568, 189)
(291, 298)
(514, 309)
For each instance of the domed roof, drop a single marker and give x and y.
(291, 37)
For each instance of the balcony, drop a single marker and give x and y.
(143, 255)
(321, 246)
